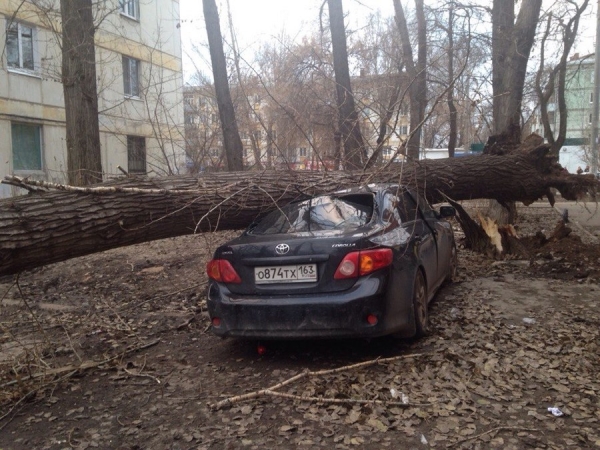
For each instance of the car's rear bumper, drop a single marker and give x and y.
(331, 315)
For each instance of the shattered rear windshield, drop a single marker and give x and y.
(320, 213)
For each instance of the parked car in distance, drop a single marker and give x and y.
(362, 262)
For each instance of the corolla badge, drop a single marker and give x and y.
(282, 249)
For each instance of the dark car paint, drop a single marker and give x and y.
(332, 308)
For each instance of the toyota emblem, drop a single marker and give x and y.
(282, 249)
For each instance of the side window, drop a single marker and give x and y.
(131, 77)
(136, 154)
(407, 208)
(26, 146)
(426, 209)
(130, 8)
(20, 41)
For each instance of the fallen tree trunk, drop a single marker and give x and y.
(51, 225)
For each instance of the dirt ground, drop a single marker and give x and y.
(114, 351)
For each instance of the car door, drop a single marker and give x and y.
(442, 232)
(423, 236)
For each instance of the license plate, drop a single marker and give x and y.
(298, 273)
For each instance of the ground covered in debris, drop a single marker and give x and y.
(113, 351)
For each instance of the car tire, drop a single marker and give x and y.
(451, 277)
(420, 305)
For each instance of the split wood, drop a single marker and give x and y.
(271, 390)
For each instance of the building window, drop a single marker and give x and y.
(189, 101)
(20, 46)
(302, 151)
(590, 120)
(26, 146)
(130, 8)
(591, 97)
(136, 154)
(131, 76)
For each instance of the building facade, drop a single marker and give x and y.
(139, 81)
(579, 99)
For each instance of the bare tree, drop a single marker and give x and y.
(452, 138)
(417, 73)
(231, 136)
(511, 45)
(133, 211)
(84, 161)
(555, 80)
(351, 136)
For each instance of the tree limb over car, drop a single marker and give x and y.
(54, 222)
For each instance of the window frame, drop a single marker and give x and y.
(131, 149)
(125, 7)
(127, 85)
(40, 149)
(19, 37)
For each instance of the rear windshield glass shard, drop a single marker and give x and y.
(317, 214)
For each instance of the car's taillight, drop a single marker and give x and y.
(222, 270)
(348, 268)
(363, 262)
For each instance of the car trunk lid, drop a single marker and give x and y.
(300, 263)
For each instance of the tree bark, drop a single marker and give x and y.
(84, 158)
(453, 136)
(352, 140)
(47, 227)
(231, 137)
(417, 73)
(511, 46)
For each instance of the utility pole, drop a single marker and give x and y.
(594, 143)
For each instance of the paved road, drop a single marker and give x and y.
(584, 215)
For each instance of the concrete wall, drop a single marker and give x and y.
(37, 97)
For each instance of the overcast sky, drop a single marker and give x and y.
(257, 21)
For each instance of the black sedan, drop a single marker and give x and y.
(363, 262)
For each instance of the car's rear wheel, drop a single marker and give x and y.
(421, 308)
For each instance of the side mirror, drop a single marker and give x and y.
(447, 211)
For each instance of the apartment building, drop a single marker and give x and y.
(139, 81)
(579, 99)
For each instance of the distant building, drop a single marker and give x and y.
(139, 76)
(298, 135)
(579, 99)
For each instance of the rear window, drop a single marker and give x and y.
(317, 214)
